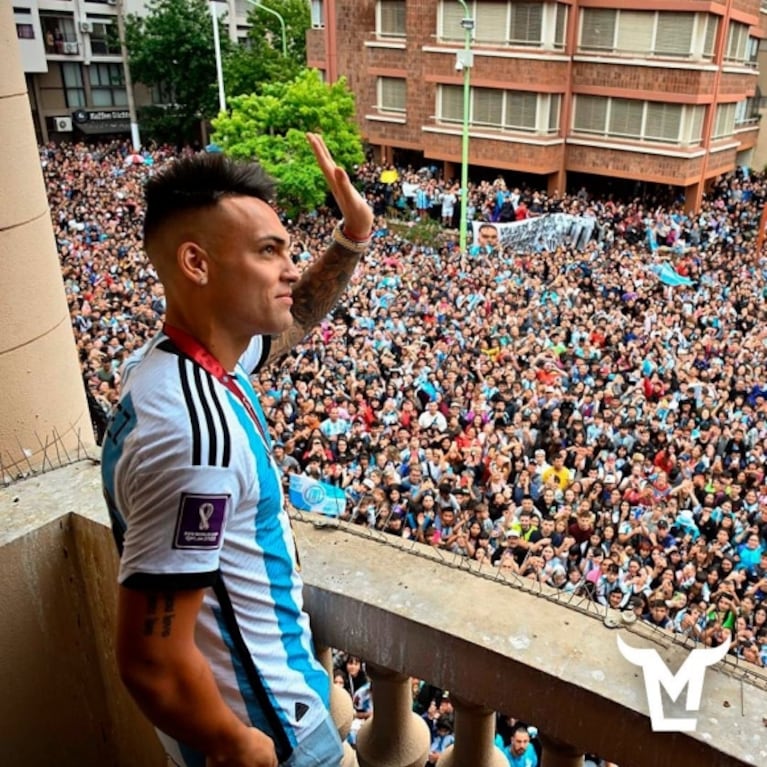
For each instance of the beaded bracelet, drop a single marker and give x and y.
(346, 242)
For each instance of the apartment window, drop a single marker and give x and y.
(25, 32)
(639, 120)
(590, 114)
(646, 33)
(625, 118)
(450, 108)
(58, 33)
(540, 24)
(709, 38)
(491, 22)
(560, 25)
(451, 16)
(391, 18)
(674, 34)
(526, 23)
(487, 107)
(107, 85)
(521, 110)
(737, 42)
(635, 32)
(499, 109)
(662, 122)
(104, 40)
(598, 29)
(391, 94)
(74, 89)
(724, 122)
(318, 14)
(554, 105)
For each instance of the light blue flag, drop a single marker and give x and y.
(308, 494)
(669, 276)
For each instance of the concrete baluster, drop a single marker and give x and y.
(395, 736)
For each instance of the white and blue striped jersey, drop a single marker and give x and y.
(196, 501)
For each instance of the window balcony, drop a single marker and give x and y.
(496, 642)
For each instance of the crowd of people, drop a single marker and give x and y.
(565, 415)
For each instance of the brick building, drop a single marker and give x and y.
(663, 92)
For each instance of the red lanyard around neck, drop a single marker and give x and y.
(192, 348)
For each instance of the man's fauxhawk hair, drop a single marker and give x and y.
(198, 182)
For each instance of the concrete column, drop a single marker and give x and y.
(395, 736)
(556, 182)
(558, 754)
(474, 739)
(44, 419)
(692, 197)
(341, 707)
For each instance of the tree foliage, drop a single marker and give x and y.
(171, 50)
(270, 127)
(266, 31)
(248, 68)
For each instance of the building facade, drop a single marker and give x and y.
(663, 92)
(75, 74)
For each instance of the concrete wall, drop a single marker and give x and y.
(62, 702)
(43, 412)
(521, 651)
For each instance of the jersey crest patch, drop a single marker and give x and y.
(200, 521)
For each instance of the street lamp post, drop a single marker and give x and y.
(464, 61)
(258, 5)
(219, 66)
(134, 129)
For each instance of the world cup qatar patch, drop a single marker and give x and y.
(200, 521)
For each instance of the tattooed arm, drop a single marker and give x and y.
(323, 283)
(173, 684)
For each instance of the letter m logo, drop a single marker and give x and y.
(656, 675)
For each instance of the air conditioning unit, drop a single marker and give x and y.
(70, 48)
(86, 26)
(62, 124)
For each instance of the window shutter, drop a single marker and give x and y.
(712, 25)
(451, 103)
(526, 23)
(697, 114)
(560, 25)
(452, 14)
(487, 107)
(554, 107)
(590, 114)
(626, 118)
(598, 30)
(725, 121)
(521, 109)
(392, 17)
(635, 32)
(662, 122)
(392, 94)
(492, 22)
(674, 34)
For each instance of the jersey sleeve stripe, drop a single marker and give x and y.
(226, 437)
(205, 405)
(195, 426)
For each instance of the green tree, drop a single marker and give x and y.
(171, 50)
(270, 127)
(248, 67)
(266, 31)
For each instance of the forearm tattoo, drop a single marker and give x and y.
(160, 612)
(315, 294)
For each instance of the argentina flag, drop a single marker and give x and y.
(308, 494)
